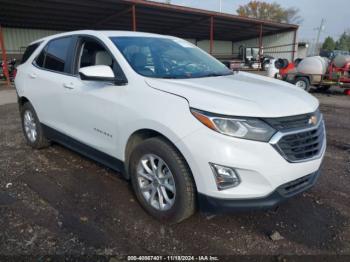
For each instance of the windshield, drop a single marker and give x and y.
(168, 58)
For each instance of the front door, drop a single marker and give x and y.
(91, 107)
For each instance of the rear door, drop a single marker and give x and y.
(49, 77)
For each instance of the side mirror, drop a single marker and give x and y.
(99, 73)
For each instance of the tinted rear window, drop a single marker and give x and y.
(54, 56)
(29, 51)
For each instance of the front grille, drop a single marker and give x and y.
(302, 145)
(298, 185)
(293, 122)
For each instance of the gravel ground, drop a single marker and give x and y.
(54, 201)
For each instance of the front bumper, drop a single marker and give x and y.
(281, 194)
(261, 168)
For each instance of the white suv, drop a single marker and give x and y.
(183, 128)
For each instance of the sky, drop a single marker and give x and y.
(336, 14)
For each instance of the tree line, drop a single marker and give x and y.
(343, 43)
(270, 11)
(275, 12)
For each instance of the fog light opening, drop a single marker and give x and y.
(225, 177)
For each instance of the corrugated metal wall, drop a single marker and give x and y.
(278, 46)
(272, 45)
(16, 39)
(220, 47)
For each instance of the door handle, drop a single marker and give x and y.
(68, 86)
(32, 75)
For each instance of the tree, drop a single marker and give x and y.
(273, 12)
(343, 43)
(292, 15)
(328, 44)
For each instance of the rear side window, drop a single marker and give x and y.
(54, 56)
(29, 51)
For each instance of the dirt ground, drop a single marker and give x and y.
(54, 201)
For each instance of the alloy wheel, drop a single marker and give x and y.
(156, 182)
(30, 126)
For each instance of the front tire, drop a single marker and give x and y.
(32, 128)
(162, 181)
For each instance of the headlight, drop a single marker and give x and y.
(246, 128)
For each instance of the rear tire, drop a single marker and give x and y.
(323, 88)
(303, 83)
(32, 128)
(159, 173)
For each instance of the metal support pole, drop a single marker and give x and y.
(4, 60)
(260, 43)
(260, 46)
(133, 17)
(294, 45)
(211, 35)
(320, 29)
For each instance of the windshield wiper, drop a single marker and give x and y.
(174, 77)
(169, 77)
(215, 75)
(194, 76)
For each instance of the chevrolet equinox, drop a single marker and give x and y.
(184, 129)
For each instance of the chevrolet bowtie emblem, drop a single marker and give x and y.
(313, 120)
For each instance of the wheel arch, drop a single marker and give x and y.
(22, 100)
(308, 77)
(138, 137)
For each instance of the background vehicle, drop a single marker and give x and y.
(332, 54)
(248, 58)
(285, 67)
(272, 70)
(267, 61)
(336, 73)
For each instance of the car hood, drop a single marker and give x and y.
(240, 94)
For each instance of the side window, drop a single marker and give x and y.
(29, 51)
(54, 56)
(93, 53)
